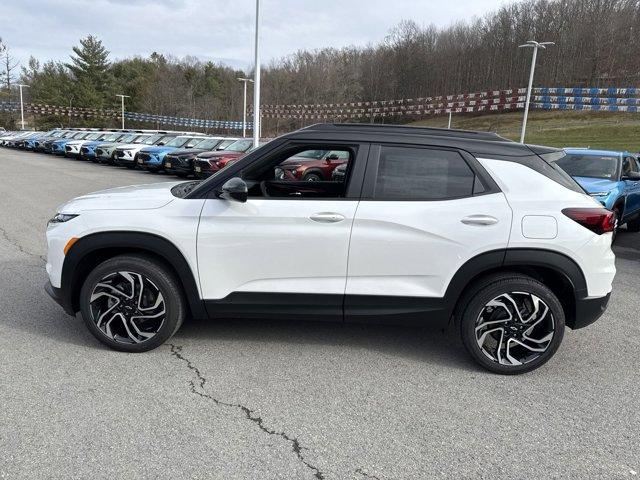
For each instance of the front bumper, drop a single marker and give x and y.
(58, 295)
(588, 310)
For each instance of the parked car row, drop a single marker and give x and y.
(183, 154)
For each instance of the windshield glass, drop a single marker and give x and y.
(112, 137)
(193, 142)
(128, 138)
(224, 144)
(312, 154)
(208, 143)
(152, 139)
(177, 142)
(93, 136)
(592, 166)
(140, 138)
(240, 146)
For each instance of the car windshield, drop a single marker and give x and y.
(224, 144)
(94, 136)
(592, 166)
(164, 139)
(127, 138)
(112, 137)
(312, 154)
(152, 139)
(178, 142)
(240, 146)
(193, 142)
(140, 138)
(208, 143)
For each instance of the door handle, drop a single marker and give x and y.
(327, 217)
(482, 220)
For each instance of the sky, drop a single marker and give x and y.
(216, 30)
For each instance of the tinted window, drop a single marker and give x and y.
(422, 174)
(592, 166)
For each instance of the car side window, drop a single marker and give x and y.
(633, 165)
(302, 173)
(412, 173)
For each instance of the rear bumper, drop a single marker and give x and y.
(588, 310)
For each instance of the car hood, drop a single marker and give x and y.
(158, 149)
(218, 153)
(188, 151)
(135, 197)
(594, 185)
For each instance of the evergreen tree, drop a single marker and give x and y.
(91, 70)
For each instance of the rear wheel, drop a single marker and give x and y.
(132, 303)
(634, 226)
(511, 323)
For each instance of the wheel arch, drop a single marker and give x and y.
(313, 170)
(91, 250)
(557, 271)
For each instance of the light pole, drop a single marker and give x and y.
(256, 83)
(450, 113)
(535, 45)
(244, 110)
(22, 105)
(122, 97)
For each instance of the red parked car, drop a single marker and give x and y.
(312, 165)
(208, 163)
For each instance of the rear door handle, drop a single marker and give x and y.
(482, 220)
(327, 217)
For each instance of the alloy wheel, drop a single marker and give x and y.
(514, 328)
(127, 307)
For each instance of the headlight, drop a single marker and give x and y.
(600, 194)
(61, 218)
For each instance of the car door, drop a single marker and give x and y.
(424, 212)
(631, 186)
(280, 253)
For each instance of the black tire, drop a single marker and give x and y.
(634, 226)
(312, 177)
(158, 278)
(477, 301)
(618, 213)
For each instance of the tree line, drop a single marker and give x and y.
(597, 44)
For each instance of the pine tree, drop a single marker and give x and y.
(91, 70)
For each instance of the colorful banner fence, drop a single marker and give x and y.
(43, 109)
(574, 98)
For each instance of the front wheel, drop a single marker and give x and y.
(312, 177)
(511, 323)
(132, 303)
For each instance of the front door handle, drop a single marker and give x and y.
(327, 217)
(482, 220)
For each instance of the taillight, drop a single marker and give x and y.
(598, 220)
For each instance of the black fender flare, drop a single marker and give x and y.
(77, 264)
(504, 259)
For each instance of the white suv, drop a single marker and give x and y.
(427, 227)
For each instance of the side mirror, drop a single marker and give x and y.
(234, 189)
(332, 157)
(160, 144)
(631, 176)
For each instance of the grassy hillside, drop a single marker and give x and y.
(616, 131)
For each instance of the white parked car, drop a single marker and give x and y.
(425, 227)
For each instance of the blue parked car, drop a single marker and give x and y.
(57, 147)
(150, 158)
(88, 149)
(612, 178)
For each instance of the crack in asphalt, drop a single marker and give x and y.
(360, 471)
(20, 248)
(198, 387)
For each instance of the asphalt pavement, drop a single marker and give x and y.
(291, 400)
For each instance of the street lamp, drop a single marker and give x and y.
(535, 45)
(244, 110)
(122, 97)
(256, 84)
(22, 105)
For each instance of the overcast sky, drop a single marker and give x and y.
(218, 30)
